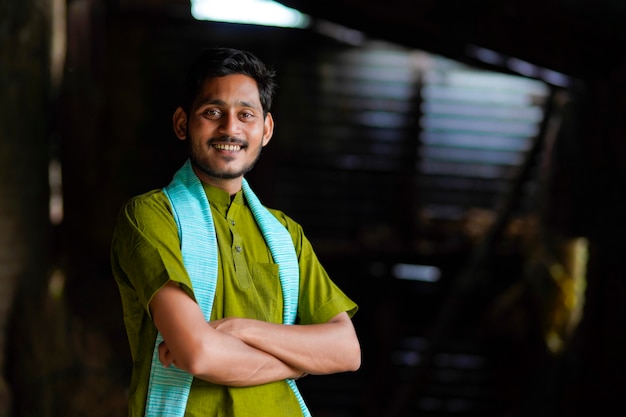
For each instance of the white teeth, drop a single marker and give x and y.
(227, 147)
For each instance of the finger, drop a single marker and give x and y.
(165, 356)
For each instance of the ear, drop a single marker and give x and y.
(268, 128)
(180, 123)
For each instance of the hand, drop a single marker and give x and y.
(165, 355)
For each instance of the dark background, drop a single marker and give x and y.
(473, 343)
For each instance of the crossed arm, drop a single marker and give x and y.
(246, 352)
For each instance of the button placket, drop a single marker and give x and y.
(243, 277)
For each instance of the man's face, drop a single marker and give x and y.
(225, 127)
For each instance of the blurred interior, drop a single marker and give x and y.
(457, 166)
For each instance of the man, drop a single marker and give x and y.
(225, 303)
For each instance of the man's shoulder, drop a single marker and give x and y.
(148, 205)
(152, 197)
(293, 227)
(282, 217)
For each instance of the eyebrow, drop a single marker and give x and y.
(219, 102)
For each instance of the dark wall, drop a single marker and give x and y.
(112, 133)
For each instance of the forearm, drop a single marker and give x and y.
(235, 363)
(196, 347)
(315, 349)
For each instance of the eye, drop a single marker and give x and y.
(247, 115)
(212, 113)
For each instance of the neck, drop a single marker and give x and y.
(230, 185)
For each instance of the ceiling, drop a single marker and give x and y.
(580, 38)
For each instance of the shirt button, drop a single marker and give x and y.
(238, 248)
(232, 222)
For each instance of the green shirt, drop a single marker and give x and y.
(146, 254)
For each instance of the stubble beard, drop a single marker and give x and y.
(204, 165)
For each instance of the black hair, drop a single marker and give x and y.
(219, 62)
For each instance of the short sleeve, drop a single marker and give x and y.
(320, 299)
(146, 248)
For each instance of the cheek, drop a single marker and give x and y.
(195, 125)
(200, 131)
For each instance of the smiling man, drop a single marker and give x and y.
(227, 129)
(225, 303)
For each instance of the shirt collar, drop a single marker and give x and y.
(221, 199)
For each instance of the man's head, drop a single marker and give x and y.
(218, 62)
(224, 116)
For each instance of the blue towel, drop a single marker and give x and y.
(168, 388)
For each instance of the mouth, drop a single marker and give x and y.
(227, 144)
(228, 147)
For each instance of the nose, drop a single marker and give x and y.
(229, 125)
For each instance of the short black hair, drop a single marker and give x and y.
(219, 62)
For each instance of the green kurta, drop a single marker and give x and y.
(146, 254)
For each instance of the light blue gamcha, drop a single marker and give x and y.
(168, 388)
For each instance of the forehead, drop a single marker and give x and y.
(234, 89)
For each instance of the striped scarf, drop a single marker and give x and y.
(168, 388)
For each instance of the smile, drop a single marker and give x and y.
(227, 147)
